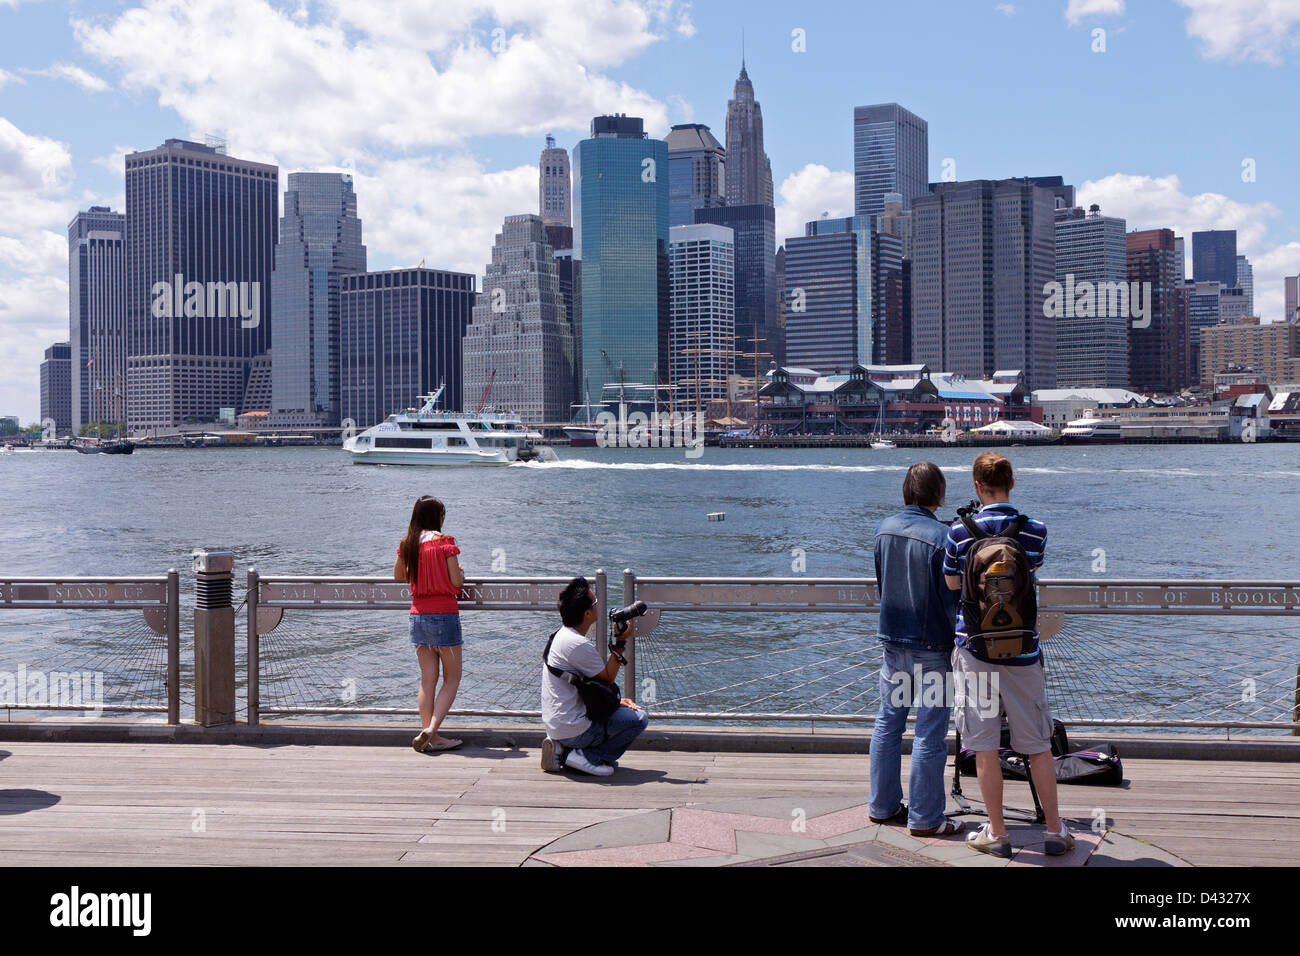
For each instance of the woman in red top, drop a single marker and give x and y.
(426, 560)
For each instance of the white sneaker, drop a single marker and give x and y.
(577, 760)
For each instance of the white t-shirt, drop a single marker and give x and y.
(563, 712)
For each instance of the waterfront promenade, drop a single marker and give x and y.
(152, 803)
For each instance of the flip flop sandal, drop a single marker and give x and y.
(421, 741)
(450, 743)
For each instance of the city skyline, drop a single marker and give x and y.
(64, 130)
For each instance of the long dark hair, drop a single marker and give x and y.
(427, 515)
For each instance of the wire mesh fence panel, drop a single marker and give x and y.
(1186, 669)
(730, 663)
(83, 660)
(1193, 668)
(363, 662)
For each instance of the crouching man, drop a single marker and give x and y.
(573, 740)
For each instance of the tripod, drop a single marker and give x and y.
(1010, 813)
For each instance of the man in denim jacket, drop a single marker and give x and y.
(917, 618)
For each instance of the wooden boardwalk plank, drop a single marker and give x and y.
(134, 804)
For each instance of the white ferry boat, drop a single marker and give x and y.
(1092, 431)
(432, 436)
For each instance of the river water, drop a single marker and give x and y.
(1174, 511)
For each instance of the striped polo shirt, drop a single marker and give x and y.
(993, 519)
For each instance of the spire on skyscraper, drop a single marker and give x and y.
(749, 171)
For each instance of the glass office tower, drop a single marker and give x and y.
(620, 234)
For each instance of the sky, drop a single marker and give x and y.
(1168, 113)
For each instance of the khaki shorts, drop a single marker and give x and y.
(1021, 694)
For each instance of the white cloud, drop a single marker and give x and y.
(35, 172)
(7, 77)
(1006, 9)
(444, 211)
(1148, 202)
(808, 193)
(1076, 10)
(351, 75)
(73, 74)
(115, 162)
(1262, 30)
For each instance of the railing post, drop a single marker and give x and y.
(173, 646)
(214, 638)
(629, 673)
(602, 621)
(254, 660)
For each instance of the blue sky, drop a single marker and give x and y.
(440, 109)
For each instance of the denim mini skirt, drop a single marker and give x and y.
(436, 630)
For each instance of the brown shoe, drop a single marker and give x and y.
(421, 741)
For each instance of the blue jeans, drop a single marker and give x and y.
(926, 796)
(605, 743)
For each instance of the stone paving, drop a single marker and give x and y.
(784, 831)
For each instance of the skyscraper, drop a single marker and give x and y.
(1291, 295)
(701, 277)
(400, 335)
(554, 187)
(520, 342)
(620, 235)
(757, 326)
(823, 328)
(696, 173)
(96, 323)
(1159, 352)
(983, 255)
(1246, 282)
(1091, 325)
(749, 171)
(56, 388)
(1214, 256)
(201, 230)
(320, 240)
(891, 154)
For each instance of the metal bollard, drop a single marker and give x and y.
(214, 638)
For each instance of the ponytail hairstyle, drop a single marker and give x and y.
(427, 515)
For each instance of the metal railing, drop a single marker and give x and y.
(1111, 646)
(158, 598)
(269, 597)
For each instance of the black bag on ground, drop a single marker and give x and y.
(600, 697)
(1098, 767)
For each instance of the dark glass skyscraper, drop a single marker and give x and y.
(754, 228)
(320, 240)
(891, 154)
(201, 231)
(696, 173)
(749, 171)
(983, 254)
(96, 325)
(1159, 352)
(1214, 256)
(620, 235)
(400, 336)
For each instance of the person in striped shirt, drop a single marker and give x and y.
(1020, 682)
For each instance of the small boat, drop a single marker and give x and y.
(122, 447)
(883, 444)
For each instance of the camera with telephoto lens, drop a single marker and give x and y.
(969, 510)
(625, 614)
